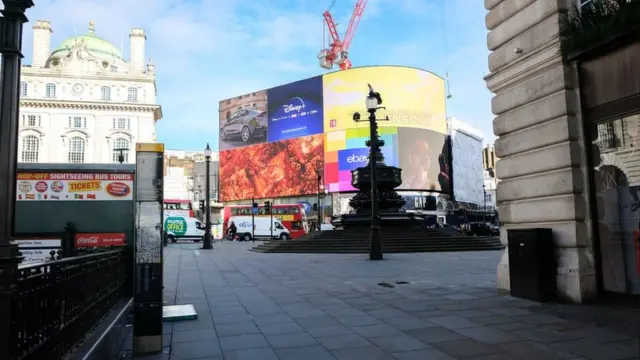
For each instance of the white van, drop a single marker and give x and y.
(181, 227)
(261, 229)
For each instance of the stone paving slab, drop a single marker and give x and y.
(254, 306)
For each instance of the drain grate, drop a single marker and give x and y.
(386, 285)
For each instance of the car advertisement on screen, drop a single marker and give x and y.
(243, 120)
(295, 110)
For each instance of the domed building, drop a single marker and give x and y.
(84, 102)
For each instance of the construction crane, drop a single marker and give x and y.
(338, 50)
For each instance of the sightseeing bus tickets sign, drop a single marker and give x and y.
(74, 186)
(99, 240)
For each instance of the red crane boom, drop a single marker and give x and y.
(338, 51)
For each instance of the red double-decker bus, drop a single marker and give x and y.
(175, 207)
(292, 216)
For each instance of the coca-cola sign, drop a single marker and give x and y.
(99, 239)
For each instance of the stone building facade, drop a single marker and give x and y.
(568, 130)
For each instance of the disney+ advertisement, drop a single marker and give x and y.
(295, 110)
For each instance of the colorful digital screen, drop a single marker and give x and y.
(273, 142)
(243, 120)
(345, 150)
(275, 169)
(413, 98)
(295, 110)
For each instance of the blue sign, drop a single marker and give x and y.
(351, 159)
(295, 110)
(306, 206)
(254, 210)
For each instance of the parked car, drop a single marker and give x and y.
(245, 125)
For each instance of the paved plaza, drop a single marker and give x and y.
(433, 306)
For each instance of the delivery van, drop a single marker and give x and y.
(262, 228)
(182, 227)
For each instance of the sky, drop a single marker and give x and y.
(209, 50)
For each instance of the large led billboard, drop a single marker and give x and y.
(243, 120)
(413, 98)
(275, 169)
(273, 142)
(295, 110)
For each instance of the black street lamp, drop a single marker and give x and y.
(373, 103)
(484, 215)
(121, 152)
(207, 211)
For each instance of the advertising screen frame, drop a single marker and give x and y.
(440, 128)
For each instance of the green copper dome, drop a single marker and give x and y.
(95, 45)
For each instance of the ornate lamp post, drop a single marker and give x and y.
(373, 102)
(207, 211)
(11, 23)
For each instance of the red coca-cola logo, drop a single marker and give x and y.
(118, 189)
(92, 240)
(100, 239)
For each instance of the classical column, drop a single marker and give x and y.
(10, 46)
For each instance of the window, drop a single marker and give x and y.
(609, 135)
(105, 93)
(132, 94)
(23, 89)
(121, 124)
(30, 149)
(50, 91)
(113, 68)
(76, 150)
(77, 122)
(120, 143)
(30, 120)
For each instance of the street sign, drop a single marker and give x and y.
(254, 211)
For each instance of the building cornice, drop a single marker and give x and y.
(88, 105)
(126, 77)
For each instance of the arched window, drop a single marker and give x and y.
(30, 149)
(120, 143)
(50, 91)
(132, 94)
(105, 93)
(76, 150)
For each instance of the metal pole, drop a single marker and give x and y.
(375, 250)
(484, 215)
(271, 216)
(318, 201)
(207, 208)
(253, 219)
(10, 257)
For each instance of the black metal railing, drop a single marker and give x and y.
(59, 302)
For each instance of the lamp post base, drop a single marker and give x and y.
(207, 243)
(375, 250)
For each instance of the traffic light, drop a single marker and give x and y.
(267, 207)
(315, 207)
(255, 205)
(201, 205)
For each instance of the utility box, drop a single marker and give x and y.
(532, 264)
